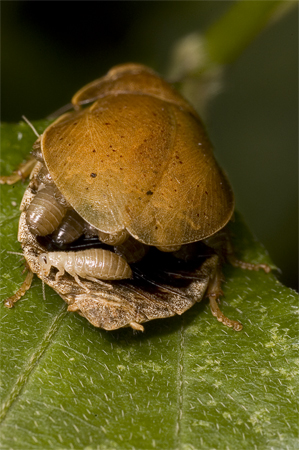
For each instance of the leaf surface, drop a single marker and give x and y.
(185, 383)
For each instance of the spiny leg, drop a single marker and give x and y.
(102, 283)
(234, 261)
(79, 282)
(9, 302)
(22, 172)
(221, 243)
(214, 292)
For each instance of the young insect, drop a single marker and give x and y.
(94, 265)
(69, 230)
(46, 211)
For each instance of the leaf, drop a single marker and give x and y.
(185, 383)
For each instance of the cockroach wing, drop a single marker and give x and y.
(130, 78)
(193, 199)
(135, 161)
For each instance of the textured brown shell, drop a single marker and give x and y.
(138, 158)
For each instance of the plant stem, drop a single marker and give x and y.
(228, 37)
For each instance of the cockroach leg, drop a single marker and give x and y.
(77, 279)
(214, 292)
(221, 243)
(234, 261)
(136, 326)
(237, 326)
(9, 302)
(102, 283)
(96, 280)
(73, 307)
(59, 274)
(22, 172)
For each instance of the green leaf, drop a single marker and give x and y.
(185, 383)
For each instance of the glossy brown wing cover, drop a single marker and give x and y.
(135, 161)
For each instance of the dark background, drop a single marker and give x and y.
(51, 49)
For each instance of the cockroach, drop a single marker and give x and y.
(133, 165)
(93, 265)
(45, 212)
(70, 229)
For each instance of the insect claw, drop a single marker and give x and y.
(214, 292)
(25, 268)
(21, 173)
(237, 326)
(73, 307)
(246, 265)
(265, 267)
(136, 326)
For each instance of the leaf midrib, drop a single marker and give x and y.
(24, 376)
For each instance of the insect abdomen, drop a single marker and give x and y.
(107, 265)
(132, 250)
(70, 229)
(45, 212)
(97, 263)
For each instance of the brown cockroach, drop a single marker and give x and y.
(69, 230)
(46, 211)
(135, 164)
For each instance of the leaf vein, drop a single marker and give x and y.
(180, 378)
(37, 354)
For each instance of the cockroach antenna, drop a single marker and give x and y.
(16, 253)
(43, 287)
(60, 111)
(31, 126)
